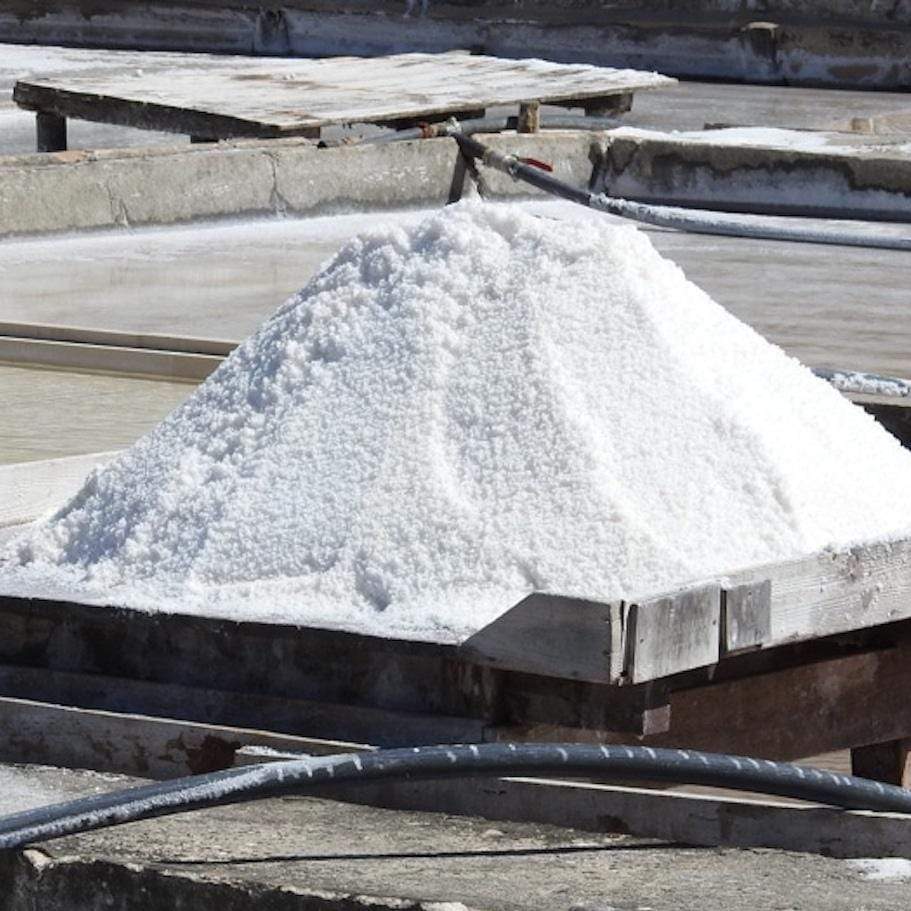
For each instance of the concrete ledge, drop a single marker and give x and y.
(762, 170)
(14, 331)
(783, 172)
(304, 854)
(38, 880)
(78, 190)
(106, 358)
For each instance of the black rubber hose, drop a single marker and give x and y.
(714, 223)
(567, 760)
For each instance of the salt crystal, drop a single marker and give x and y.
(455, 414)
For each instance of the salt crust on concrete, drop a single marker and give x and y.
(453, 414)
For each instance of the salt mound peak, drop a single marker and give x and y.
(453, 415)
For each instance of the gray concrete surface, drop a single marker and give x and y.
(296, 853)
(48, 413)
(828, 306)
(82, 190)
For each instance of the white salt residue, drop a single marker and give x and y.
(883, 868)
(764, 137)
(866, 383)
(456, 413)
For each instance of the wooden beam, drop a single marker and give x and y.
(553, 636)
(889, 762)
(828, 593)
(280, 714)
(172, 365)
(325, 666)
(818, 707)
(746, 616)
(50, 132)
(673, 633)
(529, 117)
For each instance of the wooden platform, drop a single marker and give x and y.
(217, 98)
(784, 661)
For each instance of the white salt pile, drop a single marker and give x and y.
(452, 415)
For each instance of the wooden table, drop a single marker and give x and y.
(212, 98)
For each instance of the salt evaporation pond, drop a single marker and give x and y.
(456, 413)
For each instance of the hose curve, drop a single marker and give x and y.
(566, 760)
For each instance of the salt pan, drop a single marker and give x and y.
(454, 414)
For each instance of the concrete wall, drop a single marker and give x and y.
(850, 178)
(73, 191)
(82, 190)
(848, 43)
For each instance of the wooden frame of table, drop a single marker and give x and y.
(216, 98)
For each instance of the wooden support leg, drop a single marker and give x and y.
(50, 132)
(529, 117)
(889, 762)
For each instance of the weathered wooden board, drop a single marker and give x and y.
(819, 706)
(554, 636)
(670, 633)
(746, 616)
(889, 761)
(315, 665)
(231, 708)
(242, 96)
(659, 636)
(834, 591)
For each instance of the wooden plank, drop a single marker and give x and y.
(817, 707)
(671, 633)
(37, 732)
(50, 132)
(242, 96)
(305, 663)
(666, 815)
(746, 615)
(278, 714)
(554, 636)
(834, 592)
(30, 489)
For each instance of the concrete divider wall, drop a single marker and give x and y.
(82, 190)
(847, 181)
(849, 43)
